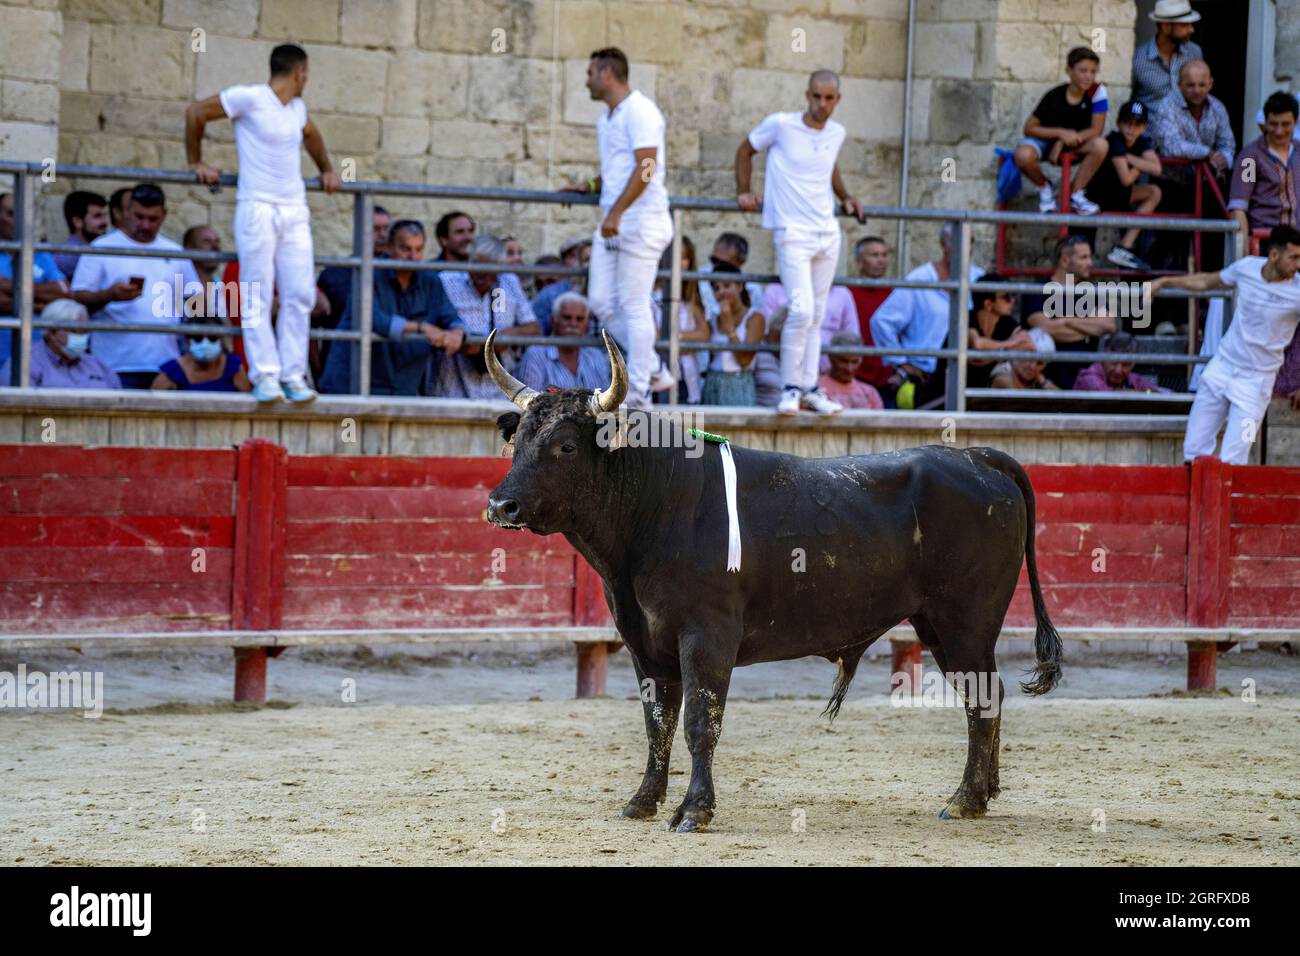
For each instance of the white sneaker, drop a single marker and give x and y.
(1046, 199)
(268, 390)
(817, 401)
(297, 390)
(662, 380)
(789, 404)
(1083, 205)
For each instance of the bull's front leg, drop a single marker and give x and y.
(706, 675)
(662, 702)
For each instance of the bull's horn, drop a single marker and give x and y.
(515, 390)
(609, 399)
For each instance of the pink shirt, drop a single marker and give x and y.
(854, 394)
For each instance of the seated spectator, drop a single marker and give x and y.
(1069, 118)
(539, 282)
(204, 366)
(841, 383)
(918, 318)
(514, 250)
(1120, 185)
(731, 376)
(117, 204)
(206, 239)
(61, 359)
(562, 366)
(1189, 123)
(136, 290)
(871, 259)
(841, 313)
(575, 254)
(484, 302)
(768, 383)
(992, 327)
(1263, 190)
(455, 233)
(1057, 312)
(1157, 61)
(733, 249)
(404, 302)
(336, 281)
(694, 326)
(1027, 373)
(1115, 376)
(87, 217)
(49, 283)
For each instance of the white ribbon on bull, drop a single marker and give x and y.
(733, 515)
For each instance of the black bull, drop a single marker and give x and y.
(836, 552)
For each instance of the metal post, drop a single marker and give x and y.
(900, 252)
(958, 320)
(23, 288)
(674, 300)
(363, 289)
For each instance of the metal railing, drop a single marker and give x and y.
(364, 264)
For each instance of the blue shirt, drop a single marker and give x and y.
(542, 367)
(44, 268)
(545, 301)
(397, 367)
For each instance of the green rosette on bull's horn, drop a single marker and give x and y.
(603, 400)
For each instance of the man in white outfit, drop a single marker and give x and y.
(272, 222)
(1238, 381)
(799, 190)
(636, 226)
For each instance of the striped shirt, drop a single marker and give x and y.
(457, 376)
(1178, 133)
(1264, 186)
(1152, 80)
(542, 367)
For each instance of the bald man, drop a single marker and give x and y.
(800, 185)
(1191, 124)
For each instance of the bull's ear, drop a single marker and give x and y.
(507, 424)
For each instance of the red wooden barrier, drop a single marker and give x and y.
(110, 539)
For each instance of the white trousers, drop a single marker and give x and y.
(806, 263)
(275, 253)
(1227, 394)
(620, 281)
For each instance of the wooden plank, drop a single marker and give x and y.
(1265, 510)
(140, 565)
(1120, 569)
(140, 494)
(1266, 541)
(99, 531)
(1111, 479)
(440, 472)
(19, 461)
(428, 570)
(1067, 538)
(1082, 506)
(1265, 480)
(421, 604)
(161, 639)
(51, 605)
(1278, 605)
(307, 503)
(1271, 572)
(429, 536)
(1124, 605)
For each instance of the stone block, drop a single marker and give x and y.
(404, 136)
(24, 100)
(347, 80)
(300, 21)
(144, 60)
(513, 89)
(1027, 52)
(645, 31)
(471, 140)
(74, 56)
(231, 60)
(28, 141)
(29, 44)
(961, 110)
(347, 135)
(946, 49)
(802, 44)
(423, 84)
(379, 23)
(876, 49)
(581, 29)
(714, 39)
(231, 18)
(466, 26)
(113, 11)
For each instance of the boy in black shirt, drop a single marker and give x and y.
(1120, 183)
(1071, 117)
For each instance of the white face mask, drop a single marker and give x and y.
(205, 350)
(77, 344)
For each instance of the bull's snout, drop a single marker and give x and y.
(503, 512)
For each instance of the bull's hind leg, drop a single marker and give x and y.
(706, 675)
(968, 665)
(662, 702)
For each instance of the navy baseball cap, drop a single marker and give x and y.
(1133, 110)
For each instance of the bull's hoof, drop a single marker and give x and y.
(688, 821)
(640, 810)
(959, 810)
(994, 792)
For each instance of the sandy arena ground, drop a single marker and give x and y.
(522, 775)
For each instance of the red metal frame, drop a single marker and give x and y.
(1203, 174)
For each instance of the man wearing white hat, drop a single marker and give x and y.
(1156, 63)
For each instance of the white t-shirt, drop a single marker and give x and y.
(635, 123)
(268, 138)
(1265, 318)
(797, 190)
(157, 305)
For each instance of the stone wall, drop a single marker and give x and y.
(490, 92)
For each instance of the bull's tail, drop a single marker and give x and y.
(848, 666)
(1047, 643)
